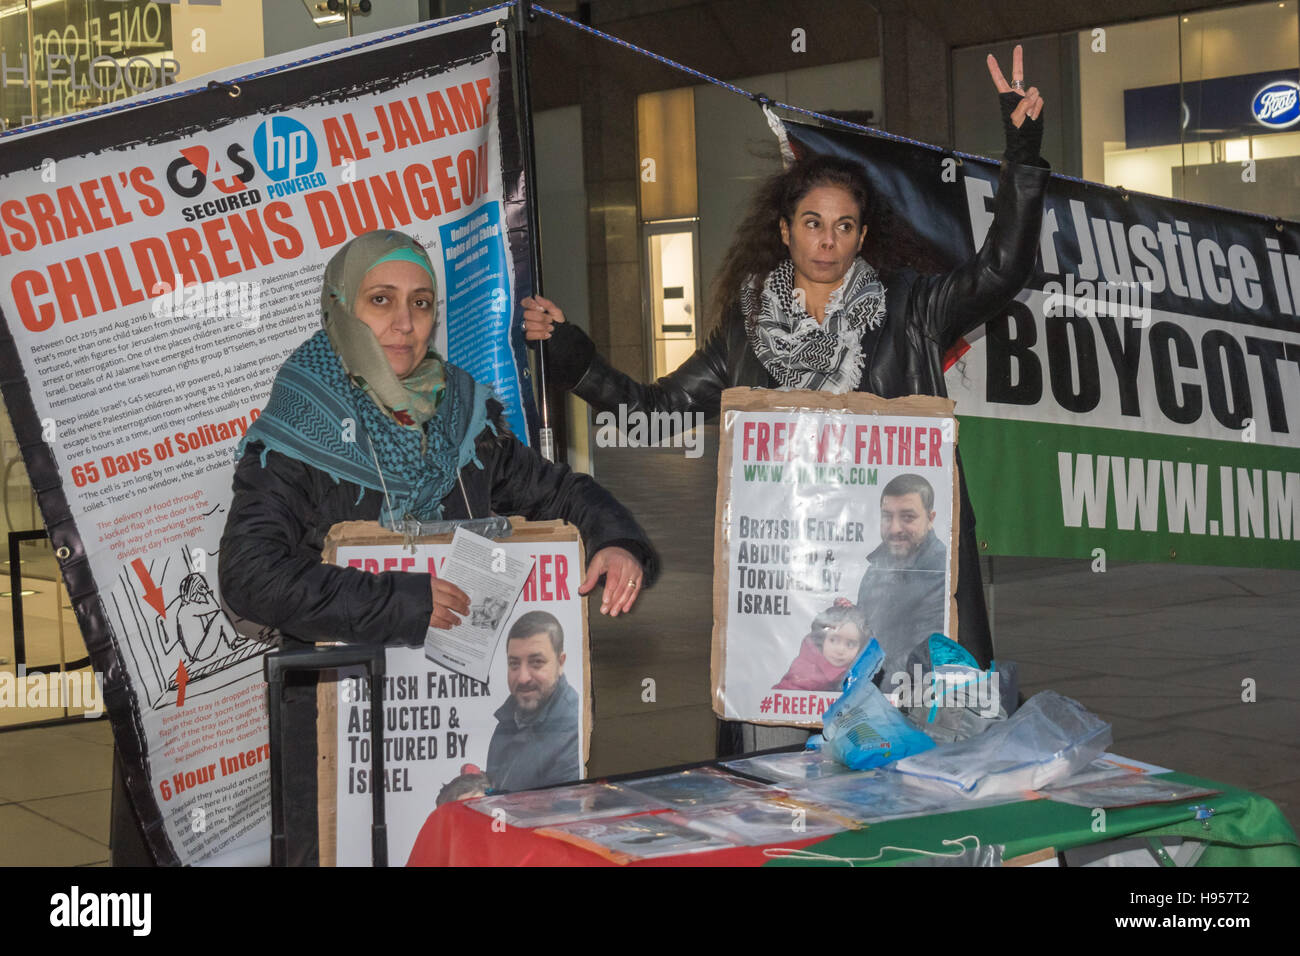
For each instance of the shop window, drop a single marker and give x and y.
(1202, 106)
(668, 196)
(63, 56)
(1241, 109)
(671, 269)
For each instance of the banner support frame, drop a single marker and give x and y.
(524, 119)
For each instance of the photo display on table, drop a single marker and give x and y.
(837, 524)
(692, 788)
(798, 767)
(880, 795)
(764, 822)
(584, 801)
(640, 837)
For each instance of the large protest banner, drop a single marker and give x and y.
(837, 518)
(156, 267)
(446, 736)
(1140, 400)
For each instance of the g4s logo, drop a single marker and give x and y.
(190, 173)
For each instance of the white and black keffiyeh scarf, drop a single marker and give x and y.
(797, 350)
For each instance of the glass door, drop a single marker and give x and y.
(672, 269)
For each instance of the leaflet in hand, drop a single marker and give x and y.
(493, 579)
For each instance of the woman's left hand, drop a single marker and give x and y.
(540, 316)
(623, 576)
(1031, 104)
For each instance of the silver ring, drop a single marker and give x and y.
(634, 584)
(1018, 86)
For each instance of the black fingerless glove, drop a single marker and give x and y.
(569, 352)
(1025, 142)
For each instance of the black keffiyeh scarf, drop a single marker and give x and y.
(797, 350)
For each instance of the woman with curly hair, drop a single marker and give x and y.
(797, 306)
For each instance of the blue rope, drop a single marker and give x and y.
(226, 84)
(690, 71)
(868, 130)
(761, 100)
(673, 64)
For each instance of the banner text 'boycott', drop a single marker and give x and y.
(1177, 272)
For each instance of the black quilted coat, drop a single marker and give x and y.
(270, 562)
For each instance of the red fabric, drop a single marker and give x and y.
(811, 670)
(959, 348)
(455, 835)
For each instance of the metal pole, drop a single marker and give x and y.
(524, 110)
(31, 67)
(378, 783)
(275, 733)
(16, 595)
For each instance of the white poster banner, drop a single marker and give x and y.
(447, 736)
(156, 267)
(836, 525)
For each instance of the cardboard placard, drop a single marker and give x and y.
(439, 721)
(801, 476)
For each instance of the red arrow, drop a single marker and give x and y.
(182, 678)
(152, 594)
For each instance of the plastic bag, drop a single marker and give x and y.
(1049, 738)
(862, 729)
(875, 796)
(944, 691)
(798, 767)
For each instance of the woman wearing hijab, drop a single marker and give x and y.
(366, 422)
(798, 307)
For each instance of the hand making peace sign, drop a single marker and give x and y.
(1031, 104)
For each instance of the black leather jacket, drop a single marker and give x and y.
(270, 563)
(926, 315)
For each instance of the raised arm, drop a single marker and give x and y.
(950, 306)
(954, 304)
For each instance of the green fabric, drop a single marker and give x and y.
(1246, 830)
(413, 400)
(408, 255)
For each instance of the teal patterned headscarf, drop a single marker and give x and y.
(332, 406)
(412, 400)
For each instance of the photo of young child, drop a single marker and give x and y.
(838, 634)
